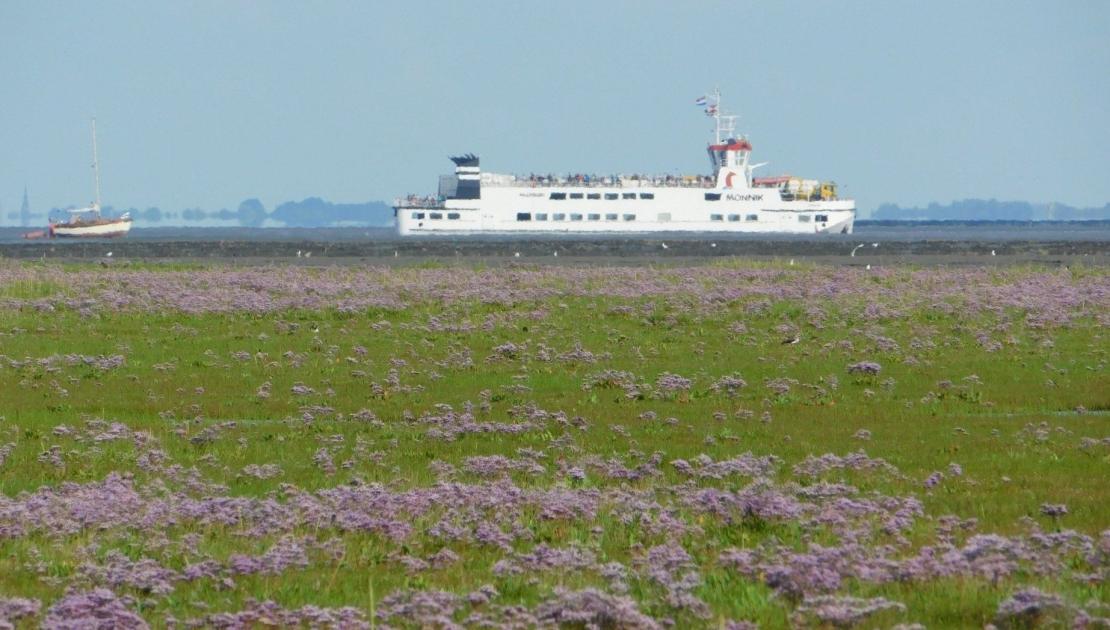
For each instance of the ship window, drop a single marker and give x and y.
(611, 216)
(804, 218)
(558, 216)
(541, 216)
(733, 217)
(647, 195)
(594, 217)
(712, 196)
(716, 217)
(555, 195)
(628, 195)
(436, 215)
(524, 216)
(575, 216)
(418, 215)
(822, 218)
(752, 217)
(629, 217)
(593, 195)
(576, 195)
(452, 215)
(664, 217)
(611, 195)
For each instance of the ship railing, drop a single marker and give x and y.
(418, 201)
(601, 181)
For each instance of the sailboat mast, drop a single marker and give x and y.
(96, 167)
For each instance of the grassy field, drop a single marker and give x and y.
(708, 446)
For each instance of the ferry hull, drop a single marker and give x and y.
(414, 227)
(574, 210)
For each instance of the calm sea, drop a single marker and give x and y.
(865, 230)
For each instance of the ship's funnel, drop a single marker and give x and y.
(468, 177)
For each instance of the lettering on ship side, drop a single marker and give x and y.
(531, 194)
(743, 197)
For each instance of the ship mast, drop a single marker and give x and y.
(723, 125)
(96, 169)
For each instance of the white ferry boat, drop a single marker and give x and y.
(731, 200)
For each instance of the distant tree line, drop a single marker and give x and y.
(311, 212)
(990, 210)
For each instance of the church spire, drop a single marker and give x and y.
(25, 209)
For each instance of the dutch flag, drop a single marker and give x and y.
(701, 101)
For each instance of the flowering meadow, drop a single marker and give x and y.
(727, 445)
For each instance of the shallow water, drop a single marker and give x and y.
(865, 230)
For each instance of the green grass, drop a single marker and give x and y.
(180, 377)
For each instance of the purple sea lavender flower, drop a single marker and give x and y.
(780, 386)
(668, 383)
(729, 385)
(286, 553)
(616, 574)
(264, 471)
(53, 456)
(428, 609)
(683, 467)
(933, 480)
(270, 614)
(484, 595)
(576, 473)
(1025, 608)
(209, 569)
(5, 452)
(869, 368)
(673, 568)
(841, 611)
(300, 389)
(144, 574)
(443, 558)
(816, 466)
(413, 564)
(97, 609)
(15, 608)
(592, 608)
(324, 462)
(1054, 510)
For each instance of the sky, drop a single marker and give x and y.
(207, 103)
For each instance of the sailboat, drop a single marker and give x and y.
(86, 222)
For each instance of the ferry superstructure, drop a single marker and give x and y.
(731, 200)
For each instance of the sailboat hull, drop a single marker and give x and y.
(106, 228)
